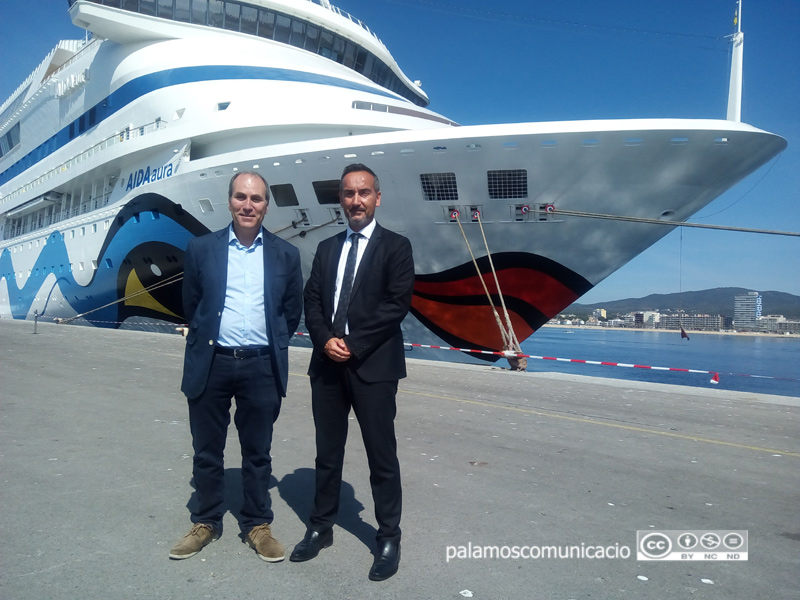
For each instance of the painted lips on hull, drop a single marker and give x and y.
(454, 305)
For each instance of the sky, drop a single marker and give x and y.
(510, 61)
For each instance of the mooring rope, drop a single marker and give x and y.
(575, 213)
(513, 342)
(455, 214)
(168, 281)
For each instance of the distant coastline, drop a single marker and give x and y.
(675, 331)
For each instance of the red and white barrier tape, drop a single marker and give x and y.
(511, 354)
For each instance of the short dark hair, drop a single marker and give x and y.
(254, 174)
(355, 167)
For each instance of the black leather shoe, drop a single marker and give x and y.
(312, 543)
(386, 562)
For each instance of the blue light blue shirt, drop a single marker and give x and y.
(243, 320)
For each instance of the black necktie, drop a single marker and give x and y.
(340, 319)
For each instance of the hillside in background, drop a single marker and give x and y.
(717, 301)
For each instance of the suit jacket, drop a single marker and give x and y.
(380, 300)
(204, 285)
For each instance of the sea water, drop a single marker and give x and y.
(749, 363)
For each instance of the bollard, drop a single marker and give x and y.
(35, 320)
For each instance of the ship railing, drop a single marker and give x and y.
(119, 137)
(22, 230)
(348, 16)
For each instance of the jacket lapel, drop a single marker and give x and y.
(332, 268)
(221, 258)
(270, 253)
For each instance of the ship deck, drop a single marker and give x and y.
(96, 467)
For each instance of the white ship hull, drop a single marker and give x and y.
(106, 215)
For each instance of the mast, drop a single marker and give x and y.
(735, 87)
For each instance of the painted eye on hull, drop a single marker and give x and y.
(454, 305)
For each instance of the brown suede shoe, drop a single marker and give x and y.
(267, 547)
(200, 536)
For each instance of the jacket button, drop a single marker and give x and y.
(210, 342)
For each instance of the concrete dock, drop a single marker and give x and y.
(95, 464)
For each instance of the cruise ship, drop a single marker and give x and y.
(119, 147)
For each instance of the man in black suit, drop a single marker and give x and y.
(358, 293)
(242, 297)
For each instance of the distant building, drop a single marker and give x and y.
(651, 319)
(746, 310)
(787, 327)
(693, 322)
(599, 313)
(778, 324)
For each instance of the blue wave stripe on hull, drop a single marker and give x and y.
(102, 289)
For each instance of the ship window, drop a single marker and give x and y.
(9, 140)
(369, 61)
(327, 191)
(312, 39)
(205, 205)
(223, 105)
(232, 16)
(249, 20)
(147, 7)
(350, 55)
(284, 194)
(282, 29)
(361, 58)
(326, 45)
(215, 15)
(508, 184)
(199, 11)
(183, 12)
(109, 264)
(165, 9)
(338, 48)
(439, 186)
(266, 24)
(298, 34)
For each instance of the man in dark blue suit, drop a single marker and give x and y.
(242, 297)
(358, 293)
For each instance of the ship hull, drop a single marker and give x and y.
(542, 261)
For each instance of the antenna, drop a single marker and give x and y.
(735, 88)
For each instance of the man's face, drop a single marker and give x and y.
(358, 199)
(248, 204)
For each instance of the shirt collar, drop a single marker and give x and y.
(232, 239)
(366, 232)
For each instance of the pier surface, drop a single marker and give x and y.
(95, 464)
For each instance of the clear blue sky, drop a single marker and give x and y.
(534, 60)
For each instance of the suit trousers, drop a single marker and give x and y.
(251, 382)
(334, 391)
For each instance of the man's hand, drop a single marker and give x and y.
(337, 350)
